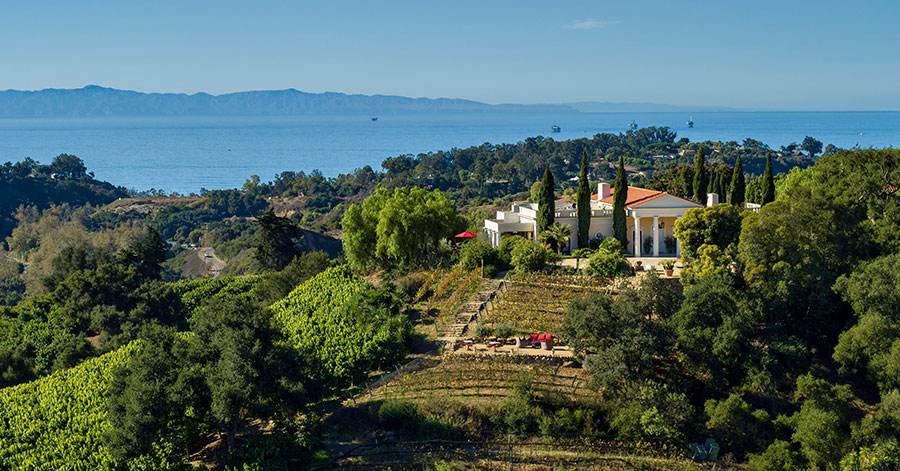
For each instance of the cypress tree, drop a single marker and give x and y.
(738, 185)
(687, 181)
(721, 186)
(583, 204)
(619, 198)
(701, 178)
(768, 183)
(547, 202)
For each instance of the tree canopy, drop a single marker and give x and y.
(398, 228)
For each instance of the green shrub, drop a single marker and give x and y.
(454, 415)
(880, 457)
(507, 245)
(736, 426)
(410, 284)
(528, 256)
(445, 466)
(476, 251)
(567, 421)
(648, 409)
(608, 263)
(518, 415)
(395, 414)
(779, 456)
(483, 331)
(504, 329)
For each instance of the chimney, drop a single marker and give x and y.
(712, 199)
(604, 190)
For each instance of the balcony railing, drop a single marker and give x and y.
(595, 213)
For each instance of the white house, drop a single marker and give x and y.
(650, 217)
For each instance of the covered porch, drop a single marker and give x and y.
(654, 233)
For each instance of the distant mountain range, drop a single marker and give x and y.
(100, 101)
(94, 100)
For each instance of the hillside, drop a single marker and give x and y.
(42, 192)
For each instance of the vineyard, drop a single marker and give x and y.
(502, 453)
(537, 303)
(449, 291)
(458, 397)
(194, 293)
(56, 423)
(346, 344)
(488, 379)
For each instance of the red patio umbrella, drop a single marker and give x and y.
(465, 234)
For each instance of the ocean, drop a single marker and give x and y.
(185, 154)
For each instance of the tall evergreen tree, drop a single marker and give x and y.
(278, 239)
(701, 178)
(547, 202)
(738, 185)
(619, 198)
(687, 181)
(721, 186)
(583, 204)
(768, 182)
(147, 255)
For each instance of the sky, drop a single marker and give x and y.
(761, 54)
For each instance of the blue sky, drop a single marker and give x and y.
(804, 55)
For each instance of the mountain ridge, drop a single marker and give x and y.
(94, 100)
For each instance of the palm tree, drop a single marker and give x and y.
(559, 234)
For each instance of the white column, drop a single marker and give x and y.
(637, 236)
(656, 236)
(677, 242)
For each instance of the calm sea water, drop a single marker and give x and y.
(186, 154)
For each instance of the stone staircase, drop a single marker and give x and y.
(486, 294)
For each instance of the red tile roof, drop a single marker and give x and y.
(636, 196)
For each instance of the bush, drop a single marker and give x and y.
(528, 256)
(568, 422)
(780, 456)
(507, 245)
(411, 283)
(881, 457)
(504, 329)
(608, 264)
(518, 413)
(736, 426)
(649, 409)
(483, 331)
(395, 414)
(453, 416)
(476, 251)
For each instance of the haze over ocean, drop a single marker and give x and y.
(185, 154)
